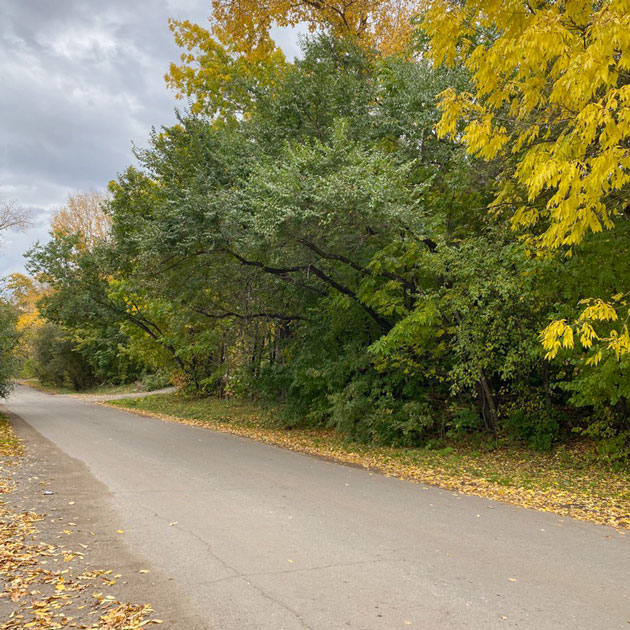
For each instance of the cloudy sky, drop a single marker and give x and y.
(81, 81)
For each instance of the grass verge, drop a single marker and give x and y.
(130, 388)
(571, 481)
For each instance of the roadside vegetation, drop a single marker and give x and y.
(413, 238)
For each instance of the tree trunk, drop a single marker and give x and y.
(488, 406)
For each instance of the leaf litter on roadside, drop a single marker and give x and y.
(45, 584)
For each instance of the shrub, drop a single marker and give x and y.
(537, 429)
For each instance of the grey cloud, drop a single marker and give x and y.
(81, 82)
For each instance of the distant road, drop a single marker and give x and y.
(261, 538)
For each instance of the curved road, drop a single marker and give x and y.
(269, 539)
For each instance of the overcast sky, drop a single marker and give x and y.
(80, 82)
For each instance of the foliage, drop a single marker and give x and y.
(303, 236)
(385, 24)
(215, 75)
(228, 67)
(550, 96)
(58, 362)
(558, 75)
(538, 429)
(605, 390)
(9, 339)
(85, 217)
(12, 217)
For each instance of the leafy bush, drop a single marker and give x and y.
(366, 410)
(538, 430)
(152, 382)
(603, 393)
(464, 422)
(58, 362)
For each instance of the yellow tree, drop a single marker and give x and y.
(224, 65)
(383, 24)
(217, 76)
(83, 215)
(25, 292)
(551, 99)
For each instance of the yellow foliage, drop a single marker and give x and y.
(551, 98)
(558, 73)
(25, 294)
(559, 334)
(84, 216)
(217, 76)
(382, 24)
(598, 310)
(223, 65)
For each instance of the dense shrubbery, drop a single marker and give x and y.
(328, 251)
(57, 360)
(9, 338)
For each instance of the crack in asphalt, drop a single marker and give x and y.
(236, 573)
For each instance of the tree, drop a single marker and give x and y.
(57, 360)
(324, 248)
(9, 339)
(227, 67)
(12, 216)
(215, 76)
(318, 217)
(550, 98)
(24, 293)
(79, 304)
(84, 216)
(383, 24)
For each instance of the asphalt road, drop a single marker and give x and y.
(269, 539)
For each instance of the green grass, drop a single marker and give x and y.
(234, 411)
(572, 480)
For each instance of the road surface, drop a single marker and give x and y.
(270, 539)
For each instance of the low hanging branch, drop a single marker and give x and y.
(228, 314)
(316, 271)
(346, 261)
